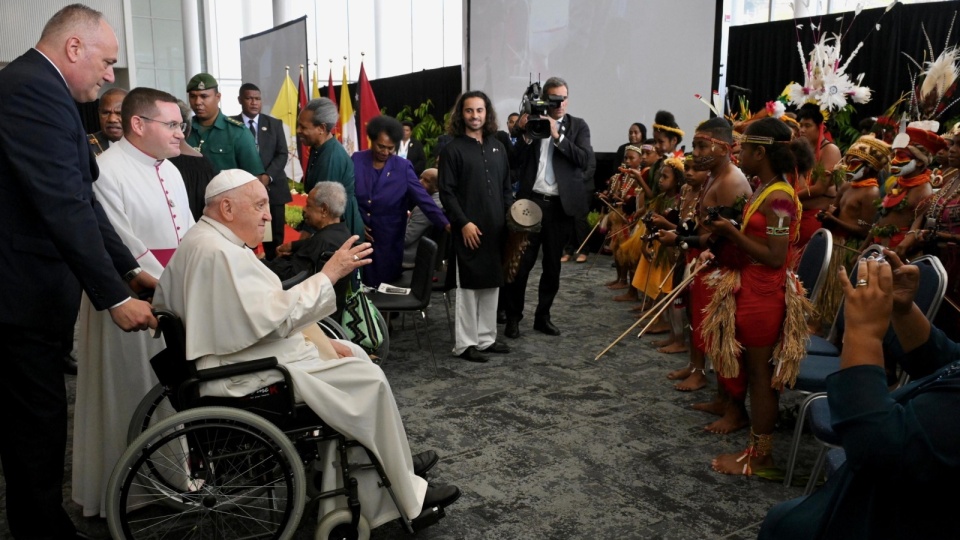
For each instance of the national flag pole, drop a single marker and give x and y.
(368, 105)
(348, 122)
(333, 97)
(316, 83)
(302, 151)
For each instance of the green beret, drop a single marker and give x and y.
(201, 81)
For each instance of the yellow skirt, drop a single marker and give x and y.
(628, 252)
(649, 276)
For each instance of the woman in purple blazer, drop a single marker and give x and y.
(386, 189)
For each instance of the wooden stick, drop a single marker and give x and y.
(621, 229)
(850, 249)
(665, 301)
(614, 208)
(589, 234)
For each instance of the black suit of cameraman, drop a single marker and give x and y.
(569, 145)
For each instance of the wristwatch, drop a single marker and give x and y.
(128, 277)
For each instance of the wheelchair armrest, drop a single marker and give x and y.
(243, 368)
(240, 368)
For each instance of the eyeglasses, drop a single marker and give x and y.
(172, 126)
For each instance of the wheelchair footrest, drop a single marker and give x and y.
(428, 517)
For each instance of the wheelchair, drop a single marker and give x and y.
(215, 467)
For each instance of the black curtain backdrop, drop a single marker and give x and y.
(764, 57)
(441, 86)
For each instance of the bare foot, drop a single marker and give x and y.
(715, 407)
(565, 258)
(619, 285)
(733, 419)
(741, 463)
(662, 343)
(661, 328)
(611, 283)
(678, 374)
(625, 297)
(694, 382)
(641, 307)
(673, 348)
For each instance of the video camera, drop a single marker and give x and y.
(535, 105)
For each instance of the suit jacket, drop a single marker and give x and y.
(570, 158)
(417, 156)
(54, 236)
(272, 144)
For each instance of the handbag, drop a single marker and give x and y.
(361, 319)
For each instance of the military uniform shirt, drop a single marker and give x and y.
(227, 144)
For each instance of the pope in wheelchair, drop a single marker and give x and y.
(234, 310)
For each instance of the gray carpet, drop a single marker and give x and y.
(546, 442)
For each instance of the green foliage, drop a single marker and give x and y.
(426, 128)
(293, 215)
(592, 218)
(843, 127)
(295, 186)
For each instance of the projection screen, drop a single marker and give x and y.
(623, 60)
(264, 56)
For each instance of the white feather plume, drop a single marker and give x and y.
(940, 74)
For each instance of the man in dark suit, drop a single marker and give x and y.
(272, 145)
(412, 149)
(54, 240)
(552, 175)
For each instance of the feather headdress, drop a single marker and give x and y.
(935, 81)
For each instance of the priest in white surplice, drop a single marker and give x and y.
(235, 309)
(145, 199)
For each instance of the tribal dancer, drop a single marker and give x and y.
(724, 189)
(756, 320)
(621, 196)
(628, 254)
(693, 376)
(818, 189)
(850, 218)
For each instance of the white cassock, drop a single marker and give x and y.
(147, 205)
(235, 309)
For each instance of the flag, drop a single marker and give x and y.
(368, 106)
(348, 122)
(303, 149)
(316, 84)
(285, 108)
(333, 97)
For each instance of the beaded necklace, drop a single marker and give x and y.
(943, 196)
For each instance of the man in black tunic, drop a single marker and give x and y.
(475, 192)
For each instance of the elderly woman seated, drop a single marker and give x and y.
(325, 206)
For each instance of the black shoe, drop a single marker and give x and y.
(545, 326)
(69, 365)
(424, 461)
(501, 317)
(471, 354)
(512, 330)
(497, 347)
(440, 496)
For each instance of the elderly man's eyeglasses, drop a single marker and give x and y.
(172, 126)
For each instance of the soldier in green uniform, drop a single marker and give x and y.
(221, 139)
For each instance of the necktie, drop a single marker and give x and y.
(253, 130)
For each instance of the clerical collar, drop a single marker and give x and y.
(138, 155)
(224, 231)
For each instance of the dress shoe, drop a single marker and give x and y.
(471, 354)
(545, 326)
(512, 330)
(501, 317)
(497, 347)
(424, 461)
(442, 496)
(69, 365)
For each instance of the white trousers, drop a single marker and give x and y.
(476, 318)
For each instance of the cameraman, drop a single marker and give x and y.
(551, 173)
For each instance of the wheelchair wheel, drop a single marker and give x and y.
(210, 472)
(336, 526)
(332, 328)
(152, 408)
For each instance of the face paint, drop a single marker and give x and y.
(903, 163)
(704, 163)
(856, 169)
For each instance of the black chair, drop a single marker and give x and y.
(443, 238)
(813, 264)
(932, 288)
(421, 287)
